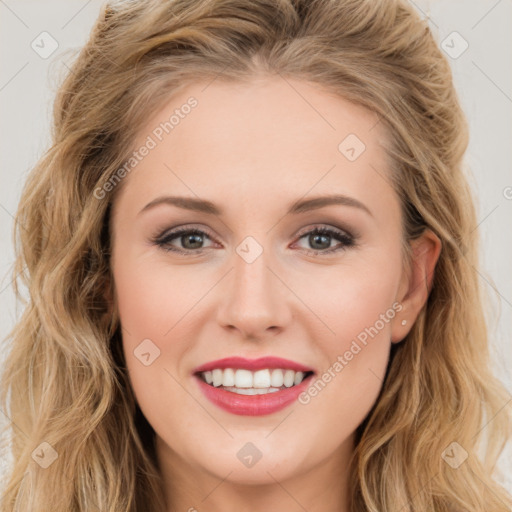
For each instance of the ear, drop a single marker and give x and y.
(416, 282)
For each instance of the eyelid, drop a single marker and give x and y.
(318, 225)
(333, 232)
(326, 226)
(161, 235)
(343, 236)
(175, 232)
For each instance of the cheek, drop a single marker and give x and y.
(356, 358)
(153, 302)
(356, 304)
(351, 299)
(158, 308)
(152, 297)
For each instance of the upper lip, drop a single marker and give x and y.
(253, 364)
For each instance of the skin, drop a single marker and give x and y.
(253, 149)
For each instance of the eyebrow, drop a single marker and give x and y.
(299, 206)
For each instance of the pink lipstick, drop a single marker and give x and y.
(253, 394)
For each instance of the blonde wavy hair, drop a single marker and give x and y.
(65, 380)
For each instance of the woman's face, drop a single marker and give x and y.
(254, 281)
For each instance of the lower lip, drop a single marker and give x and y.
(252, 405)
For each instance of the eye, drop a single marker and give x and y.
(190, 239)
(320, 239)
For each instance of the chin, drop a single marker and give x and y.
(252, 463)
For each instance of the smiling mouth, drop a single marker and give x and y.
(246, 382)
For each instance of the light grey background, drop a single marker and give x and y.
(483, 77)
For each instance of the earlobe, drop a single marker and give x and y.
(417, 282)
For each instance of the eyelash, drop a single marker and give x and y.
(347, 240)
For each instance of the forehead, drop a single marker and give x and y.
(270, 138)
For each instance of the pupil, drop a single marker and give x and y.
(326, 238)
(191, 237)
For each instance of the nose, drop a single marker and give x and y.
(254, 299)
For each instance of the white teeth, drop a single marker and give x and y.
(243, 379)
(289, 377)
(265, 380)
(251, 391)
(277, 378)
(217, 377)
(299, 376)
(229, 377)
(261, 379)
